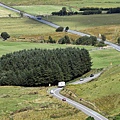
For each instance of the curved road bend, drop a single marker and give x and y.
(87, 79)
(86, 110)
(79, 106)
(56, 26)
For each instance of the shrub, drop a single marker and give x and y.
(5, 35)
(59, 29)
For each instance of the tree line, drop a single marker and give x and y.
(87, 11)
(40, 67)
(92, 10)
(84, 40)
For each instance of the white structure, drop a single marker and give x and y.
(51, 91)
(61, 84)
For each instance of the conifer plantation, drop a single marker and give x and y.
(40, 67)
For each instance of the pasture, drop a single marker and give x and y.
(5, 13)
(17, 27)
(101, 58)
(20, 103)
(91, 24)
(42, 9)
(76, 4)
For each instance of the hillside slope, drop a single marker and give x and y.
(102, 94)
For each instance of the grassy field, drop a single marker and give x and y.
(17, 27)
(100, 57)
(91, 24)
(102, 94)
(42, 9)
(105, 58)
(76, 3)
(20, 103)
(5, 13)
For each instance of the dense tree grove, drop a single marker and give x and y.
(40, 67)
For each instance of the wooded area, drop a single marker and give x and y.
(38, 67)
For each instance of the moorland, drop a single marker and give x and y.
(17, 103)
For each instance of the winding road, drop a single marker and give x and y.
(56, 26)
(56, 91)
(79, 106)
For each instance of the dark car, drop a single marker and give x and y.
(64, 99)
(91, 75)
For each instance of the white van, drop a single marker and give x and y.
(61, 84)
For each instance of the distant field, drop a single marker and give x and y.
(100, 58)
(6, 12)
(23, 26)
(42, 9)
(7, 47)
(76, 3)
(105, 58)
(91, 24)
(79, 22)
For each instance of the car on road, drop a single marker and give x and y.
(91, 75)
(51, 92)
(64, 99)
(81, 79)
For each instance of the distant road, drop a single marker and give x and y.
(56, 26)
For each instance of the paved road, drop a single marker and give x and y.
(87, 79)
(56, 26)
(79, 106)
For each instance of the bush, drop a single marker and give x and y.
(118, 40)
(90, 118)
(59, 29)
(66, 29)
(5, 35)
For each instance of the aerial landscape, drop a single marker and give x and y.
(59, 60)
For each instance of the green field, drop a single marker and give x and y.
(23, 26)
(42, 9)
(5, 13)
(105, 58)
(79, 22)
(20, 103)
(76, 3)
(100, 57)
